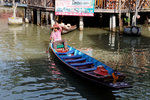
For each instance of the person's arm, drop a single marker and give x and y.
(60, 28)
(51, 36)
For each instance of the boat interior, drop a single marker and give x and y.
(83, 62)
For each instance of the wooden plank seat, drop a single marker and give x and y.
(71, 57)
(65, 53)
(75, 60)
(81, 64)
(88, 69)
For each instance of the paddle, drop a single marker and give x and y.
(48, 50)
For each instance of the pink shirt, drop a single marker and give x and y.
(56, 35)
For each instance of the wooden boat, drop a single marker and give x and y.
(65, 30)
(89, 68)
(15, 21)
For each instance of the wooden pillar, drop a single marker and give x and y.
(47, 13)
(147, 19)
(38, 17)
(129, 17)
(25, 13)
(120, 20)
(134, 19)
(34, 16)
(30, 15)
(81, 23)
(52, 19)
(112, 23)
(42, 17)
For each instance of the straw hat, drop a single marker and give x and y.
(55, 26)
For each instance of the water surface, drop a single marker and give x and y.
(27, 73)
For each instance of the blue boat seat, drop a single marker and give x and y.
(63, 53)
(76, 60)
(88, 69)
(81, 64)
(70, 57)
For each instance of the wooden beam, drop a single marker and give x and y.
(81, 23)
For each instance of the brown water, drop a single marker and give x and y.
(26, 72)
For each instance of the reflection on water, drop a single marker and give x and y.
(27, 73)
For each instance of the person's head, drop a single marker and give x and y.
(55, 27)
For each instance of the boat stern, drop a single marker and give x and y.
(119, 85)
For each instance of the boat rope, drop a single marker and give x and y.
(115, 77)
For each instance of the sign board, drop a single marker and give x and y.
(74, 7)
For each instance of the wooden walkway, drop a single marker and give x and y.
(112, 6)
(101, 6)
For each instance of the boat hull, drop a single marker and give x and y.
(15, 21)
(102, 81)
(64, 31)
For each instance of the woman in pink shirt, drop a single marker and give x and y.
(56, 36)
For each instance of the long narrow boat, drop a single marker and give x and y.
(64, 30)
(89, 68)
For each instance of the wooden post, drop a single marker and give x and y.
(30, 15)
(27, 15)
(38, 17)
(148, 19)
(52, 18)
(120, 21)
(34, 16)
(47, 13)
(136, 13)
(14, 9)
(81, 23)
(129, 16)
(112, 23)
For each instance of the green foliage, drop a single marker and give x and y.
(127, 20)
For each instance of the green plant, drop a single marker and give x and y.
(127, 20)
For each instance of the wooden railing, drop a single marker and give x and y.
(99, 4)
(41, 3)
(17, 1)
(125, 4)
